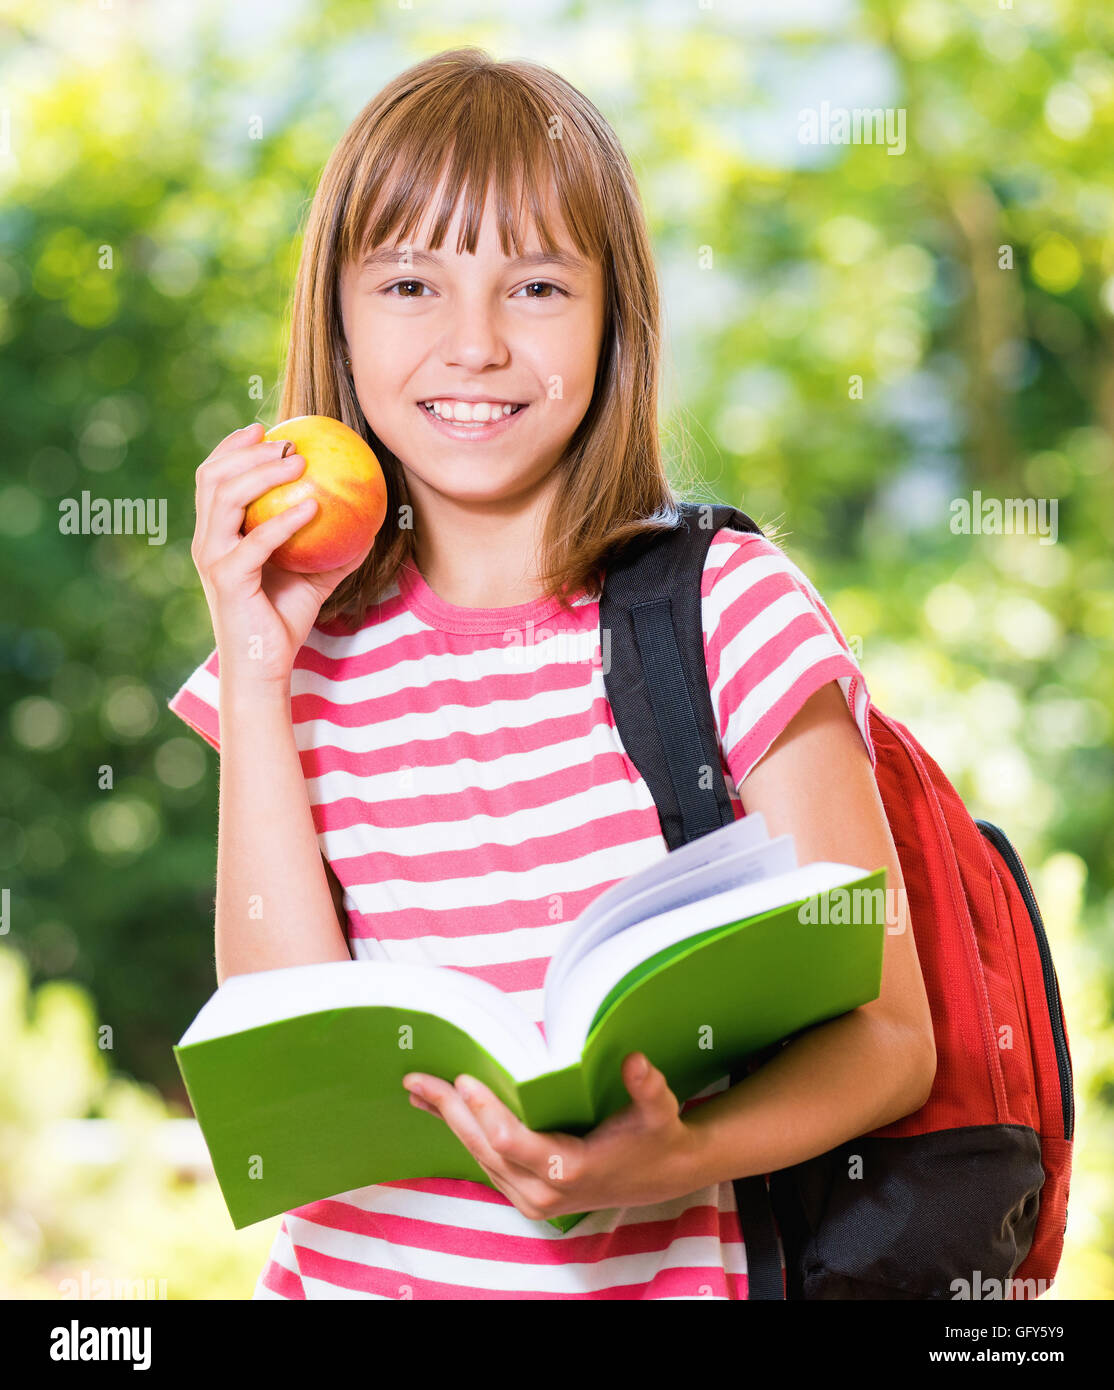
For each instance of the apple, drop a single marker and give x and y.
(343, 476)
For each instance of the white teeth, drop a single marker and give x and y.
(469, 412)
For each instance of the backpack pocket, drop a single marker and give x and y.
(931, 1216)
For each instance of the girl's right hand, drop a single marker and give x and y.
(261, 614)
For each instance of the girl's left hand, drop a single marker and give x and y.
(643, 1154)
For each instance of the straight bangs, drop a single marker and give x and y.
(462, 126)
(496, 137)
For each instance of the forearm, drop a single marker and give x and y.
(273, 904)
(847, 1077)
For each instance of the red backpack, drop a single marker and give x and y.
(967, 1196)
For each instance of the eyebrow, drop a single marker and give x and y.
(387, 255)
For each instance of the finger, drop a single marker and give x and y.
(507, 1135)
(239, 459)
(246, 434)
(215, 472)
(500, 1183)
(468, 1130)
(420, 1104)
(232, 495)
(649, 1089)
(250, 554)
(523, 1188)
(212, 467)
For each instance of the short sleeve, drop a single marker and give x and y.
(770, 643)
(280, 1276)
(198, 701)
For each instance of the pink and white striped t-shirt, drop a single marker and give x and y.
(465, 772)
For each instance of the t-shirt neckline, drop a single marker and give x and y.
(420, 599)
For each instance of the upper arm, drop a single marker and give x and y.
(817, 784)
(783, 686)
(338, 898)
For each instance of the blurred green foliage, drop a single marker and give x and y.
(69, 1213)
(148, 238)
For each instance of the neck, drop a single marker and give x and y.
(480, 556)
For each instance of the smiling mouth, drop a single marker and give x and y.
(471, 429)
(496, 419)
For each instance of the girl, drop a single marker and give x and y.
(418, 760)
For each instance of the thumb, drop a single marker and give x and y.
(643, 1080)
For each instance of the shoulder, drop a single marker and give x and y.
(738, 553)
(750, 584)
(770, 643)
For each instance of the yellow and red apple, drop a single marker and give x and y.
(344, 477)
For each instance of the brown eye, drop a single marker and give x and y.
(543, 285)
(400, 284)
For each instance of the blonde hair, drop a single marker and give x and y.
(516, 125)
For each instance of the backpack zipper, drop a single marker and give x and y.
(1051, 986)
(960, 905)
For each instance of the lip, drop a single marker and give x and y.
(471, 399)
(471, 434)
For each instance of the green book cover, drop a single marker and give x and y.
(295, 1075)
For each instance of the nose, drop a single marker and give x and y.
(473, 338)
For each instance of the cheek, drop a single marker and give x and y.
(384, 377)
(574, 362)
(388, 344)
(381, 359)
(563, 378)
(577, 389)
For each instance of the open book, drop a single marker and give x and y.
(718, 949)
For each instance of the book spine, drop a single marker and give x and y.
(557, 1100)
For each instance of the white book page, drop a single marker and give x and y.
(590, 982)
(701, 880)
(743, 834)
(761, 861)
(477, 1008)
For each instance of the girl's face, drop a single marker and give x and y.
(442, 342)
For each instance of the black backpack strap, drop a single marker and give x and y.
(656, 680)
(656, 677)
